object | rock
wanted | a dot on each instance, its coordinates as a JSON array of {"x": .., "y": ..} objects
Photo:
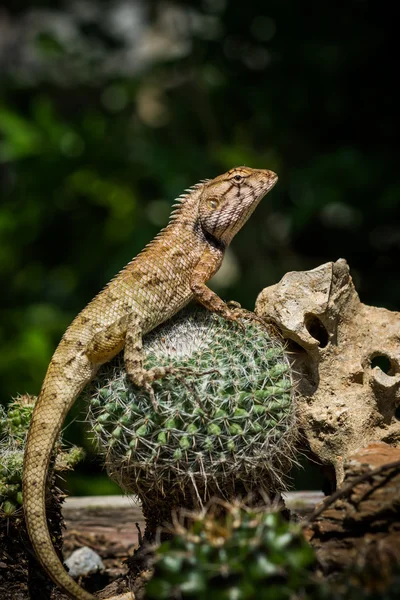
[
  {"x": 84, "y": 561},
  {"x": 347, "y": 359}
]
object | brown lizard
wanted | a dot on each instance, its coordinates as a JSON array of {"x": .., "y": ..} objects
[{"x": 172, "y": 270}]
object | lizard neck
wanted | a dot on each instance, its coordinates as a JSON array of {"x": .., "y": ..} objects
[
  {"x": 208, "y": 238},
  {"x": 186, "y": 217}
]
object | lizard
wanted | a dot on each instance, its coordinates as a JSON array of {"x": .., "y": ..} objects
[{"x": 166, "y": 275}]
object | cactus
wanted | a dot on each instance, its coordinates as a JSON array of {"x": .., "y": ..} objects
[
  {"x": 19, "y": 573},
  {"x": 232, "y": 552},
  {"x": 14, "y": 425},
  {"x": 229, "y": 417},
  {"x": 243, "y": 555}
]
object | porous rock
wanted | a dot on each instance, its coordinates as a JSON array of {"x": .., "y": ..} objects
[{"x": 347, "y": 359}]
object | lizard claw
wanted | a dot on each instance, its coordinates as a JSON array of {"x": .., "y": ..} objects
[
  {"x": 234, "y": 316},
  {"x": 247, "y": 315},
  {"x": 149, "y": 389},
  {"x": 233, "y": 304},
  {"x": 239, "y": 322},
  {"x": 251, "y": 316}
]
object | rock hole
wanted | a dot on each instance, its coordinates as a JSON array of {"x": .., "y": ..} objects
[
  {"x": 310, "y": 475},
  {"x": 397, "y": 413},
  {"x": 383, "y": 363},
  {"x": 317, "y": 330},
  {"x": 294, "y": 348},
  {"x": 304, "y": 371}
]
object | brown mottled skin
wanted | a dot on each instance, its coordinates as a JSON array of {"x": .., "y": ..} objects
[{"x": 172, "y": 270}]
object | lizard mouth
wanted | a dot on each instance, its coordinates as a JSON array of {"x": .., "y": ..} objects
[{"x": 272, "y": 178}]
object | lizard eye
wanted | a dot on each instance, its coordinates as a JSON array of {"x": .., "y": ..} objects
[
  {"x": 213, "y": 203},
  {"x": 238, "y": 178}
]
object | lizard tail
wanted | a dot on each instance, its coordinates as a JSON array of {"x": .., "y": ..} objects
[{"x": 61, "y": 387}]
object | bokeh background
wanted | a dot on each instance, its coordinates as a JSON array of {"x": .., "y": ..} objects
[{"x": 108, "y": 110}]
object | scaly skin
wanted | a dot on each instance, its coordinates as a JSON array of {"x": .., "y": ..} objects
[{"x": 162, "y": 279}]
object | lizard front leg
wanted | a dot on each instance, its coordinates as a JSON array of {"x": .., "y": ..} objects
[
  {"x": 211, "y": 300},
  {"x": 205, "y": 269}
]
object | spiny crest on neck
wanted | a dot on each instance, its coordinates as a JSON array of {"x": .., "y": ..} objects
[{"x": 182, "y": 201}]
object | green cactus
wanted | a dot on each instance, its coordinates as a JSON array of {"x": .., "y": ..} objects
[
  {"x": 15, "y": 421},
  {"x": 229, "y": 417},
  {"x": 14, "y": 425},
  {"x": 242, "y": 555}
]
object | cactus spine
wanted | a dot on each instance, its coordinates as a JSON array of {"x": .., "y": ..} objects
[{"x": 230, "y": 417}]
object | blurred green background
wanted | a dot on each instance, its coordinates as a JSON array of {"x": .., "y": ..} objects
[{"x": 108, "y": 110}]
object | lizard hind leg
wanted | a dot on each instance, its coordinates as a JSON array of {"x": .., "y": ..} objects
[
  {"x": 141, "y": 377},
  {"x": 133, "y": 359}
]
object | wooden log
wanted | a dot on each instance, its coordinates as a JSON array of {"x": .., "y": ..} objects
[
  {"x": 111, "y": 517},
  {"x": 358, "y": 527},
  {"x": 115, "y": 517}
]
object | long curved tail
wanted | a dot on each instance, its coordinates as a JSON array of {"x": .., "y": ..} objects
[{"x": 63, "y": 383}]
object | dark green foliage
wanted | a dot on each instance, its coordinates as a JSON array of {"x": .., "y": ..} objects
[{"x": 230, "y": 416}]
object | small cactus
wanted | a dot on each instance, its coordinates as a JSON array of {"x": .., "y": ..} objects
[
  {"x": 20, "y": 575},
  {"x": 226, "y": 415},
  {"x": 14, "y": 425},
  {"x": 242, "y": 555}
]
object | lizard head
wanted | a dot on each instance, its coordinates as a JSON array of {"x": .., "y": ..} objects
[{"x": 228, "y": 201}]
